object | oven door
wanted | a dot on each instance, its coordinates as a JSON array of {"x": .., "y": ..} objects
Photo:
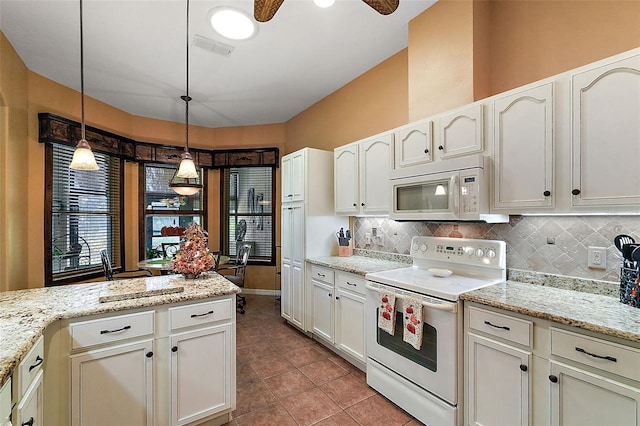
[
  {"x": 434, "y": 196},
  {"x": 434, "y": 366}
]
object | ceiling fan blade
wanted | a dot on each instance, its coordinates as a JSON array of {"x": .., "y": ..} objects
[
  {"x": 384, "y": 7},
  {"x": 263, "y": 10}
]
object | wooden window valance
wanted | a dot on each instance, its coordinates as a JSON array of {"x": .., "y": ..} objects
[{"x": 55, "y": 129}]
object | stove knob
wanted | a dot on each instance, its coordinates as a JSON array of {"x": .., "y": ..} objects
[
  {"x": 415, "y": 247},
  {"x": 469, "y": 251},
  {"x": 423, "y": 248},
  {"x": 491, "y": 253},
  {"x": 479, "y": 252}
]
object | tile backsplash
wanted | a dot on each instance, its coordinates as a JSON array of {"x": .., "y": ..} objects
[{"x": 548, "y": 244}]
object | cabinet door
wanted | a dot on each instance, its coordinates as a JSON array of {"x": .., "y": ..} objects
[
  {"x": 292, "y": 173},
  {"x": 201, "y": 367},
  {"x": 345, "y": 169},
  {"x": 285, "y": 290},
  {"x": 461, "y": 132},
  {"x": 582, "y": 398},
  {"x": 323, "y": 316},
  {"x": 606, "y": 131},
  {"x": 30, "y": 408},
  {"x": 413, "y": 146},
  {"x": 125, "y": 373},
  {"x": 5, "y": 403},
  {"x": 375, "y": 164},
  {"x": 350, "y": 324},
  {"x": 523, "y": 148},
  {"x": 297, "y": 295},
  {"x": 498, "y": 383}
]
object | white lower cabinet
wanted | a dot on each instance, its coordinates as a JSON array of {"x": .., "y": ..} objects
[
  {"x": 113, "y": 385},
  {"x": 338, "y": 311},
  {"x": 555, "y": 375},
  {"x": 5, "y": 403},
  {"x": 29, "y": 411},
  {"x": 28, "y": 388},
  {"x": 172, "y": 365}
]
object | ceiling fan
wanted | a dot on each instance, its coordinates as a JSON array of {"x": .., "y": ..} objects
[{"x": 263, "y": 10}]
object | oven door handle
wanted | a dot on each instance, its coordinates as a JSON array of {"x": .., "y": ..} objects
[{"x": 444, "y": 306}]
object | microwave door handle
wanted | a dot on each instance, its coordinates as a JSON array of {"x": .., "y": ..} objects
[{"x": 455, "y": 194}]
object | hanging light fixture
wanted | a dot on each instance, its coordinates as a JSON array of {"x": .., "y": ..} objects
[
  {"x": 185, "y": 180},
  {"x": 83, "y": 158}
]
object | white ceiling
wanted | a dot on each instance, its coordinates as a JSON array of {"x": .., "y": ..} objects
[{"x": 135, "y": 54}]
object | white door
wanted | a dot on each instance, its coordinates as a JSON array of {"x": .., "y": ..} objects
[
  {"x": 375, "y": 163},
  {"x": 292, "y": 273},
  {"x": 523, "y": 145},
  {"x": 323, "y": 312},
  {"x": 201, "y": 368},
  {"x": 285, "y": 173},
  {"x": 285, "y": 290},
  {"x": 30, "y": 407},
  {"x": 606, "y": 135},
  {"x": 498, "y": 383},
  {"x": 584, "y": 399},
  {"x": 345, "y": 180},
  {"x": 123, "y": 372},
  {"x": 461, "y": 132},
  {"x": 350, "y": 326},
  {"x": 297, "y": 175},
  {"x": 413, "y": 147}
]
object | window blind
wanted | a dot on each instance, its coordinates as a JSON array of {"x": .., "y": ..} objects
[
  {"x": 248, "y": 212},
  {"x": 85, "y": 214}
]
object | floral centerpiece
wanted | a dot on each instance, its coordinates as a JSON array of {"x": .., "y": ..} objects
[{"x": 193, "y": 257}]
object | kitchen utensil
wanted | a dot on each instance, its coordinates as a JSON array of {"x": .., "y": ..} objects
[
  {"x": 627, "y": 250},
  {"x": 347, "y": 234},
  {"x": 622, "y": 239}
]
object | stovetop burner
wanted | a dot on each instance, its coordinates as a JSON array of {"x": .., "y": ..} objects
[{"x": 473, "y": 264}]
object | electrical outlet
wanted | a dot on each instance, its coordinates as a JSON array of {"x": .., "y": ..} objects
[
  {"x": 597, "y": 257},
  {"x": 367, "y": 237},
  {"x": 380, "y": 239}
]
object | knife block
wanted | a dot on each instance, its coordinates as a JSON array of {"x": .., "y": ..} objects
[{"x": 346, "y": 250}]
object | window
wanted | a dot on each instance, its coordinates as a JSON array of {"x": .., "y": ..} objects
[
  {"x": 166, "y": 213},
  {"x": 83, "y": 216},
  {"x": 248, "y": 213}
]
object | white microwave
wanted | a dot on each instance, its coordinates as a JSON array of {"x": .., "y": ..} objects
[{"x": 450, "y": 190}]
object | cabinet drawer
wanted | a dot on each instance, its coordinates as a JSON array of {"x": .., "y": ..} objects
[
  {"x": 5, "y": 403},
  {"x": 509, "y": 328},
  {"x": 351, "y": 282},
  {"x": 322, "y": 274},
  {"x": 112, "y": 329},
  {"x": 30, "y": 366},
  {"x": 607, "y": 356},
  {"x": 199, "y": 314}
]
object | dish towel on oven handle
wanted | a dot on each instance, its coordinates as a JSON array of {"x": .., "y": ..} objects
[
  {"x": 412, "y": 314},
  {"x": 387, "y": 311}
]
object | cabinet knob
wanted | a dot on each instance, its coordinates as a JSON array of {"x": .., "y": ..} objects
[
  {"x": 546, "y": 193},
  {"x": 174, "y": 349},
  {"x": 337, "y": 298},
  {"x": 355, "y": 205},
  {"x": 441, "y": 148},
  {"x": 329, "y": 294},
  {"x": 28, "y": 422},
  {"x": 426, "y": 151},
  {"x": 523, "y": 367},
  {"x": 149, "y": 354},
  {"x": 362, "y": 204},
  {"x": 553, "y": 379},
  {"x": 575, "y": 191}
]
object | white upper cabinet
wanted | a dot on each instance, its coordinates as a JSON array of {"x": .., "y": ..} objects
[
  {"x": 293, "y": 176},
  {"x": 606, "y": 135},
  {"x": 461, "y": 132},
  {"x": 523, "y": 150},
  {"x": 413, "y": 147},
  {"x": 361, "y": 176}
]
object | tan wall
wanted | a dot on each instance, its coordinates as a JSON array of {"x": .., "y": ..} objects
[{"x": 373, "y": 103}]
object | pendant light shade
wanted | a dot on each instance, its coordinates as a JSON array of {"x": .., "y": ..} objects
[
  {"x": 185, "y": 180},
  {"x": 83, "y": 158}
]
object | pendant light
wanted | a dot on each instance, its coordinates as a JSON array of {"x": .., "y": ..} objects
[
  {"x": 83, "y": 158},
  {"x": 187, "y": 175}
]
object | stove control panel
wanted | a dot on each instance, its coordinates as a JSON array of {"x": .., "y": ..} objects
[{"x": 468, "y": 251}]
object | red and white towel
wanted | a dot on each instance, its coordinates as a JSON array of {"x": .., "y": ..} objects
[
  {"x": 412, "y": 314},
  {"x": 387, "y": 311}
]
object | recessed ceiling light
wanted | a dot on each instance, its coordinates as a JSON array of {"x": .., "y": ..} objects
[
  {"x": 324, "y": 3},
  {"x": 233, "y": 23}
]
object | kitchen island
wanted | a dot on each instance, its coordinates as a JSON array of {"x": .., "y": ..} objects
[{"x": 161, "y": 313}]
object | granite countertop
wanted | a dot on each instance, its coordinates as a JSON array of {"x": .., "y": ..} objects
[
  {"x": 359, "y": 265},
  {"x": 24, "y": 314},
  {"x": 593, "y": 312}
]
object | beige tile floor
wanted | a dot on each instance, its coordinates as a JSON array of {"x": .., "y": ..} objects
[{"x": 285, "y": 378}]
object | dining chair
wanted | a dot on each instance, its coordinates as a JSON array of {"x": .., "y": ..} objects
[
  {"x": 239, "y": 267},
  {"x": 169, "y": 250},
  {"x": 108, "y": 270}
]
